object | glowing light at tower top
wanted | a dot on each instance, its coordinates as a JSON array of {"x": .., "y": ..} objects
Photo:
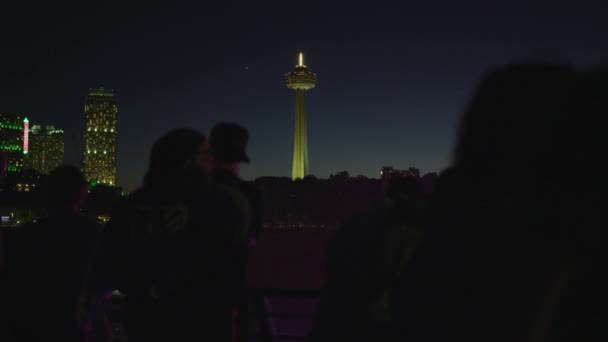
[{"x": 301, "y": 78}]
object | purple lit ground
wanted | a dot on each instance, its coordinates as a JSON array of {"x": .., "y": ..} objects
[
  {"x": 292, "y": 258},
  {"x": 289, "y": 258}
]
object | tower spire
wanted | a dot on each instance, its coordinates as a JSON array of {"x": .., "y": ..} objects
[{"x": 301, "y": 80}]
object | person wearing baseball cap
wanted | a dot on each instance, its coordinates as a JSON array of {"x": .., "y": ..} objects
[{"x": 228, "y": 143}]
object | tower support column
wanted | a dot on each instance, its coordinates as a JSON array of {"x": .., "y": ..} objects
[{"x": 300, "y": 145}]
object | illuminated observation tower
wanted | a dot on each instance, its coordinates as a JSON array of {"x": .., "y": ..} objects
[{"x": 300, "y": 80}]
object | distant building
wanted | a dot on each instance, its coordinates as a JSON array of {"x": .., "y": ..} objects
[
  {"x": 46, "y": 149},
  {"x": 388, "y": 172},
  {"x": 100, "y": 131},
  {"x": 14, "y": 144}
]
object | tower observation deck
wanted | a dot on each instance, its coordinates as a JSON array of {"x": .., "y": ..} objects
[{"x": 300, "y": 80}]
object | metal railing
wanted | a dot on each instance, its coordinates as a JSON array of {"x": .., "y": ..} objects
[{"x": 254, "y": 312}]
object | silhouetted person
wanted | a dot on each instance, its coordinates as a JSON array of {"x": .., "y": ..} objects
[
  {"x": 228, "y": 142},
  {"x": 476, "y": 275},
  {"x": 170, "y": 247},
  {"x": 48, "y": 262},
  {"x": 574, "y": 301},
  {"x": 365, "y": 259}
]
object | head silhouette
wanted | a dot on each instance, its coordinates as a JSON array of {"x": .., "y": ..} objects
[
  {"x": 579, "y": 144},
  {"x": 180, "y": 162},
  {"x": 67, "y": 187},
  {"x": 510, "y": 119},
  {"x": 228, "y": 141},
  {"x": 580, "y": 136}
]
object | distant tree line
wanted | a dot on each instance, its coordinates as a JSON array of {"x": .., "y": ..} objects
[{"x": 314, "y": 201}]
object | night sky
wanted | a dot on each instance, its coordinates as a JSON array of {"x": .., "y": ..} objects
[{"x": 393, "y": 78}]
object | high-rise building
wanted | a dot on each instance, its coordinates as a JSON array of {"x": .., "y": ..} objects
[
  {"x": 100, "y": 136},
  {"x": 46, "y": 149},
  {"x": 300, "y": 80},
  {"x": 14, "y": 144}
]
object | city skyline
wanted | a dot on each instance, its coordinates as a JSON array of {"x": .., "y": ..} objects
[{"x": 396, "y": 77}]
